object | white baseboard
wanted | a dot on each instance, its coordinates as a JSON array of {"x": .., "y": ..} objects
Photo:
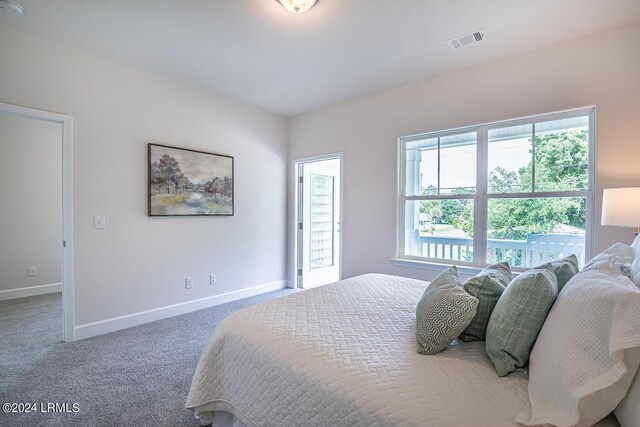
[
  {"x": 30, "y": 291},
  {"x": 122, "y": 322}
]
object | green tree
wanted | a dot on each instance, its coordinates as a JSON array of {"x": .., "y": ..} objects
[
  {"x": 561, "y": 161},
  {"x": 436, "y": 214},
  {"x": 504, "y": 181},
  {"x": 561, "y": 164},
  {"x": 516, "y": 218},
  {"x": 466, "y": 221},
  {"x": 167, "y": 171},
  {"x": 227, "y": 185},
  {"x": 186, "y": 184},
  {"x": 212, "y": 186}
]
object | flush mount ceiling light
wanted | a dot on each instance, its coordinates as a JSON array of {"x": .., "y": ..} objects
[
  {"x": 297, "y": 6},
  {"x": 11, "y": 7}
]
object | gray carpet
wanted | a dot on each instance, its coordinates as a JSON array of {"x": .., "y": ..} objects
[
  {"x": 29, "y": 328},
  {"x": 135, "y": 377}
]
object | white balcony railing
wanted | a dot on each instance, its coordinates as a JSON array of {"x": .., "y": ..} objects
[{"x": 536, "y": 250}]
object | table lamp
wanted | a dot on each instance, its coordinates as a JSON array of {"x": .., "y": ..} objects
[{"x": 621, "y": 207}]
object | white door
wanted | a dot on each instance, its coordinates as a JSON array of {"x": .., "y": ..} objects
[
  {"x": 45, "y": 138},
  {"x": 319, "y": 232}
]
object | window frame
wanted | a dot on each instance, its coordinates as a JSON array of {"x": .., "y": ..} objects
[{"x": 482, "y": 196}]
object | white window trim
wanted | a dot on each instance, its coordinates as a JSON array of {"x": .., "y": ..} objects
[{"x": 481, "y": 196}]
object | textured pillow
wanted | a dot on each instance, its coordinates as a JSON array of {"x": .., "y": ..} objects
[
  {"x": 628, "y": 411},
  {"x": 620, "y": 250},
  {"x": 586, "y": 354},
  {"x": 444, "y": 310},
  {"x": 565, "y": 269},
  {"x": 623, "y": 253},
  {"x": 634, "y": 270},
  {"x": 487, "y": 286},
  {"x": 518, "y": 317}
]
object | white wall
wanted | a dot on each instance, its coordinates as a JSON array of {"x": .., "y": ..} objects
[
  {"x": 601, "y": 69},
  {"x": 139, "y": 263},
  {"x": 31, "y": 195}
]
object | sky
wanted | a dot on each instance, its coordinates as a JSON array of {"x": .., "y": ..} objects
[
  {"x": 458, "y": 164},
  {"x": 198, "y": 167}
]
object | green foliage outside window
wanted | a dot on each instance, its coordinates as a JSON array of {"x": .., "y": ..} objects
[{"x": 561, "y": 164}]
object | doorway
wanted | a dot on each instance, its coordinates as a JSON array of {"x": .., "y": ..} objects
[
  {"x": 52, "y": 133},
  {"x": 317, "y": 220}
]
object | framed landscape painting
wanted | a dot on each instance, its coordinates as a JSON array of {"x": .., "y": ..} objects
[{"x": 189, "y": 183}]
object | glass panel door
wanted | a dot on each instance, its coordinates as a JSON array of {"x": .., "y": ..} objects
[
  {"x": 322, "y": 221},
  {"x": 319, "y": 228}
]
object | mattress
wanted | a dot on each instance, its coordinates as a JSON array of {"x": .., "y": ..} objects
[{"x": 345, "y": 354}]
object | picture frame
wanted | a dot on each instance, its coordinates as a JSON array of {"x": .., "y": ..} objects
[{"x": 185, "y": 182}]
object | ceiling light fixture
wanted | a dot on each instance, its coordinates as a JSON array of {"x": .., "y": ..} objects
[
  {"x": 297, "y": 6},
  {"x": 11, "y": 7}
]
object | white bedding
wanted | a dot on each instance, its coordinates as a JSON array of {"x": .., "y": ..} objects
[{"x": 345, "y": 354}]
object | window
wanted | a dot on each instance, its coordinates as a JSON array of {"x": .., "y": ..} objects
[{"x": 519, "y": 191}]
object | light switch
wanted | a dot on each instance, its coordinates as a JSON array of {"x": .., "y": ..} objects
[{"x": 99, "y": 222}]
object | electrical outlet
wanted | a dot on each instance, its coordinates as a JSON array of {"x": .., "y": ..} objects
[
  {"x": 99, "y": 222},
  {"x": 213, "y": 279},
  {"x": 188, "y": 283},
  {"x": 32, "y": 271}
]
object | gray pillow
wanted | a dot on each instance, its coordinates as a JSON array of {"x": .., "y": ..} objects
[
  {"x": 444, "y": 310},
  {"x": 487, "y": 286},
  {"x": 565, "y": 269},
  {"x": 518, "y": 317}
]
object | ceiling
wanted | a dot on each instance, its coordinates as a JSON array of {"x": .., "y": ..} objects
[{"x": 256, "y": 52}]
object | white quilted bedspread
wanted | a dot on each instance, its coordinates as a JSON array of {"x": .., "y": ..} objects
[{"x": 345, "y": 355}]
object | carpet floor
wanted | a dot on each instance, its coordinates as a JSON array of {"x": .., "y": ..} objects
[
  {"x": 29, "y": 328},
  {"x": 135, "y": 377}
]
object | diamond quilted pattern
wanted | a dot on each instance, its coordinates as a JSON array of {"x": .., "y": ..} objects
[{"x": 345, "y": 354}]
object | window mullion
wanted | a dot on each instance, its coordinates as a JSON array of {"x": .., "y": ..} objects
[
  {"x": 533, "y": 157},
  {"x": 443, "y": 197},
  {"x": 591, "y": 200},
  {"x": 480, "y": 208},
  {"x": 540, "y": 195},
  {"x": 402, "y": 193},
  {"x": 438, "y": 189}
]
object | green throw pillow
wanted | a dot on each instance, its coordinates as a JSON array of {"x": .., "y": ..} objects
[
  {"x": 518, "y": 317},
  {"x": 565, "y": 269},
  {"x": 487, "y": 286},
  {"x": 444, "y": 310}
]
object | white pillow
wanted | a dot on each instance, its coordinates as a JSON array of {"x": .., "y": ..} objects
[
  {"x": 634, "y": 270},
  {"x": 623, "y": 253},
  {"x": 636, "y": 242},
  {"x": 598, "y": 405},
  {"x": 620, "y": 250},
  {"x": 582, "y": 363},
  {"x": 628, "y": 411}
]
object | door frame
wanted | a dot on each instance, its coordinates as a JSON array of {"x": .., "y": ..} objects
[
  {"x": 294, "y": 200},
  {"x": 68, "y": 309}
]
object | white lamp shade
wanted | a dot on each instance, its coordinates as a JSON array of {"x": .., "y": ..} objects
[{"x": 621, "y": 207}]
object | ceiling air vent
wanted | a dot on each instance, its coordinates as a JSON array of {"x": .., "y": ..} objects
[{"x": 466, "y": 39}]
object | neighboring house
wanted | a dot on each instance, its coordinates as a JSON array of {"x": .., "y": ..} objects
[{"x": 424, "y": 221}]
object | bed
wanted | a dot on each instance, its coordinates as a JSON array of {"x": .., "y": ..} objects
[{"x": 345, "y": 354}]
